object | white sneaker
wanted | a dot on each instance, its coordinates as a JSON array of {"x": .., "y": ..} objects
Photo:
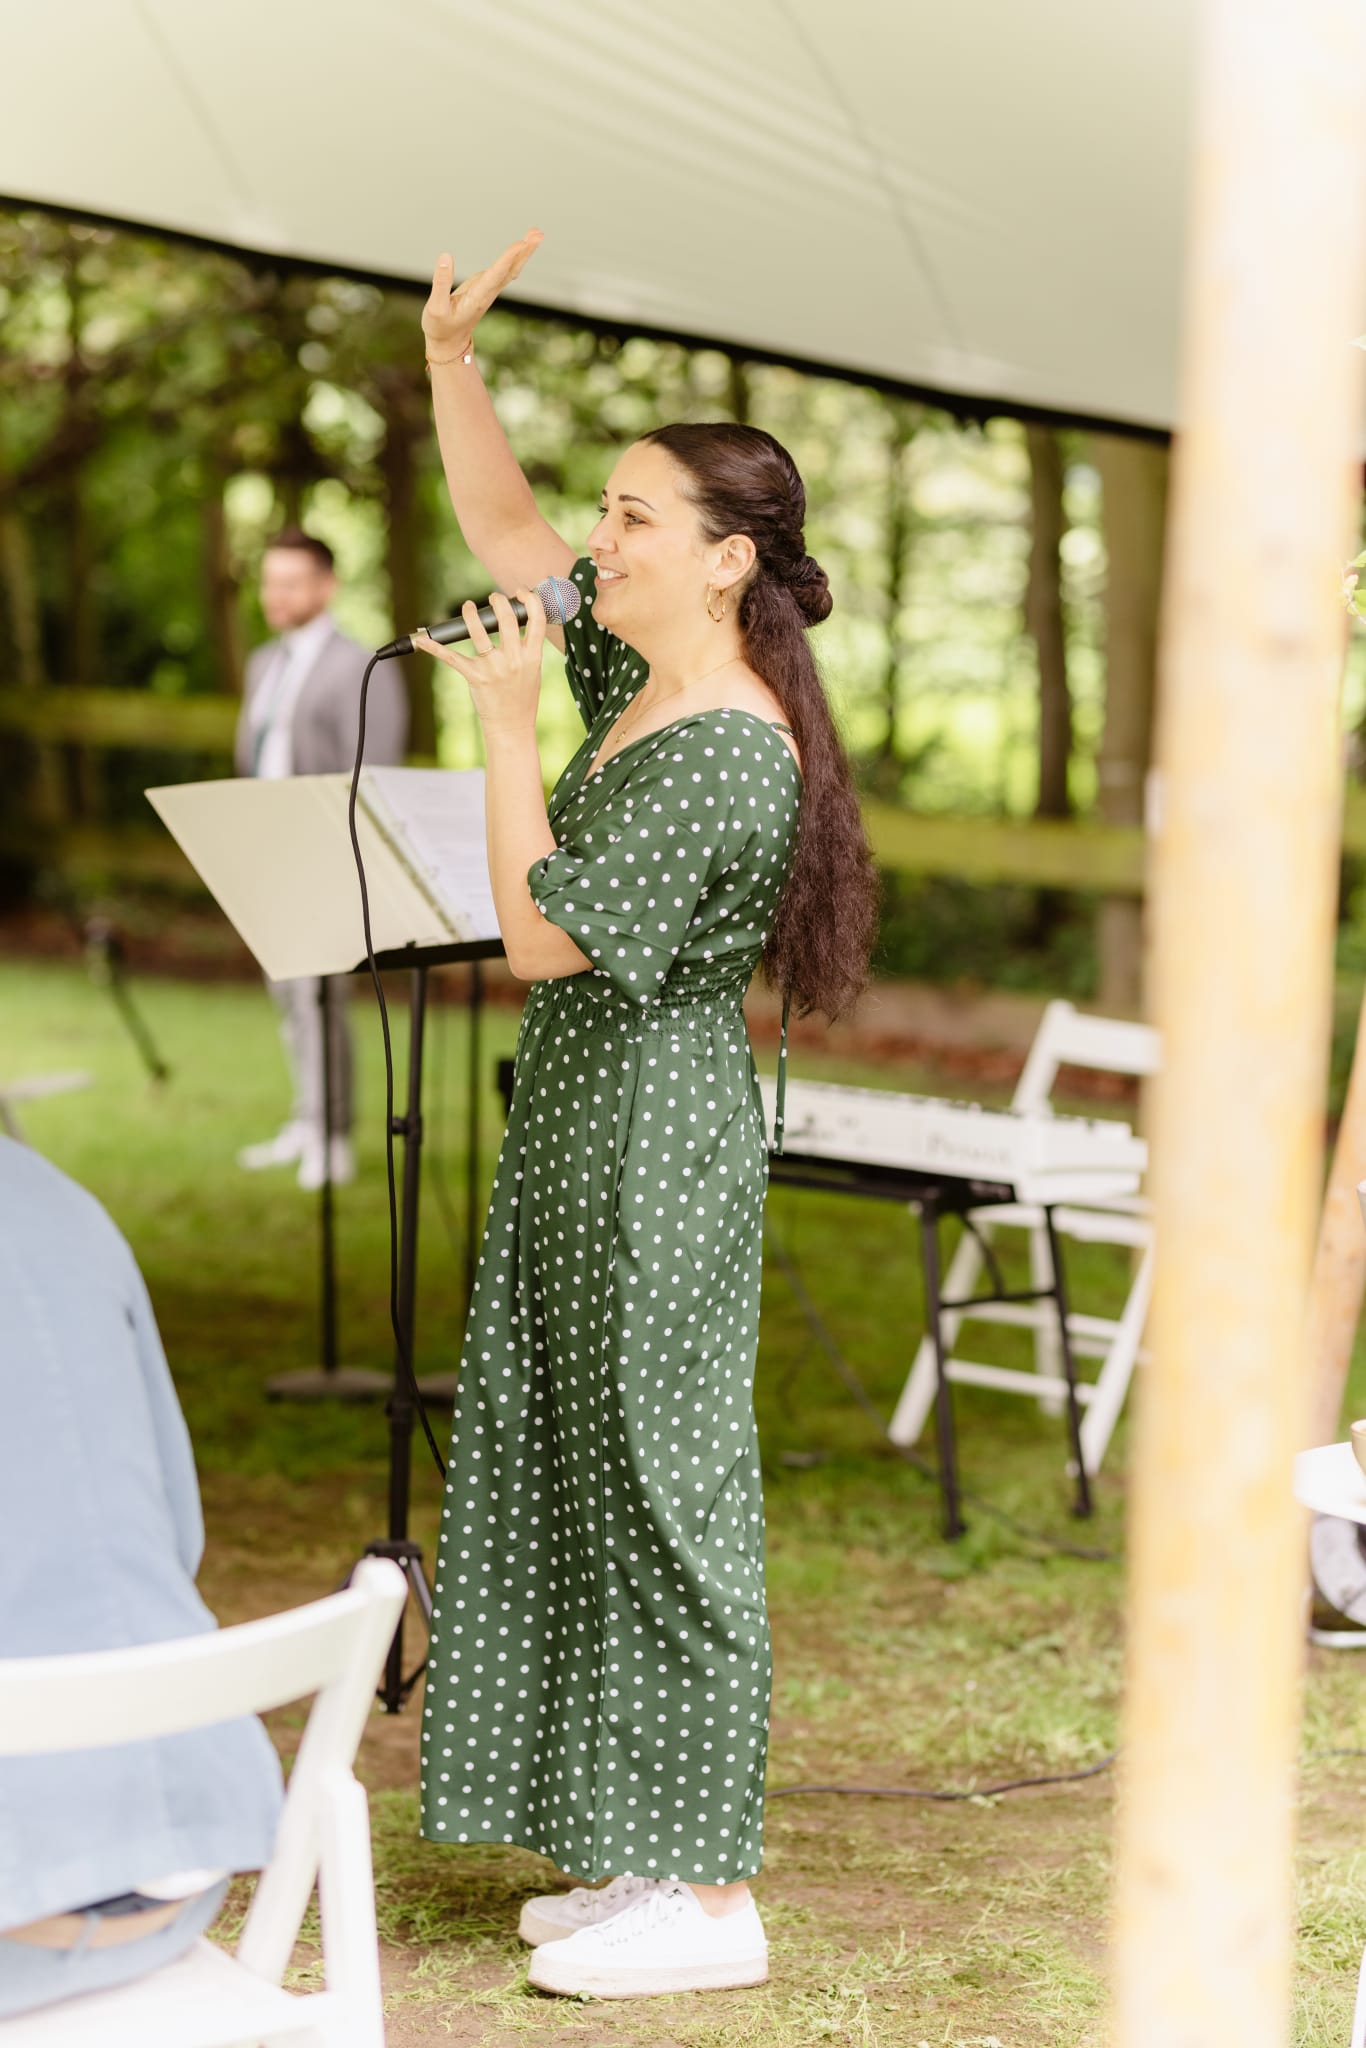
[
  {"x": 311, "y": 1162},
  {"x": 282, "y": 1150},
  {"x": 563, "y": 1913},
  {"x": 664, "y": 1942}
]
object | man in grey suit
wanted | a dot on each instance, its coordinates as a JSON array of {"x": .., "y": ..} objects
[{"x": 299, "y": 716}]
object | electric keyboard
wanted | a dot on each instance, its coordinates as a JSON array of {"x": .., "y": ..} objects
[{"x": 1039, "y": 1160}]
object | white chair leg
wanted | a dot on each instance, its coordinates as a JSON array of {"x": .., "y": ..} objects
[
  {"x": 1359, "y": 2016},
  {"x": 346, "y": 1902},
  {"x": 1047, "y": 1342},
  {"x": 1112, "y": 1382},
  {"x": 917, "y": 1396}
]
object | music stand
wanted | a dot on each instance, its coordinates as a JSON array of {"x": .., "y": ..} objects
[{"x": 295, "y": 903}]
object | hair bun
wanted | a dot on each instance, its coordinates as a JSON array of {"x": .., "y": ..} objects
[{"x": 810, "y": 586}]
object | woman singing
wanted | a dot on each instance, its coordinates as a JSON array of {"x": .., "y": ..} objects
[{"x": 599, "y": 1681}]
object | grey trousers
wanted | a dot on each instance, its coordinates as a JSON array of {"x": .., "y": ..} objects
[{"x": 301, "y": 1031}]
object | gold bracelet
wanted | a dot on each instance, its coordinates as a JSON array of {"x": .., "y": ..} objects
[{"x": 439, "y": 362}]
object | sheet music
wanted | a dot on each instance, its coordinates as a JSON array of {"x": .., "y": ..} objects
[
  {"x": 277, "y": 857},
  {"x": 434, "y": 820}
]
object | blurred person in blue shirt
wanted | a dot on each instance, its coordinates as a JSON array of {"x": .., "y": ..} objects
[{"x": 112, "y": 1861}]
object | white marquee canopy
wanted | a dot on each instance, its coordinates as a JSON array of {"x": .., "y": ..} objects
[{"x": 979, "y": 198}]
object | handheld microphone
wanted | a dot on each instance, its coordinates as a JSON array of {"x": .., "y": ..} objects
[{"x": 560, "y": 599}]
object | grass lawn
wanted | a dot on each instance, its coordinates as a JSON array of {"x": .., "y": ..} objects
[{"x": 900, "y": 1660}]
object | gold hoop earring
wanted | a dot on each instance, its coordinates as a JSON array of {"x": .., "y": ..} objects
[{"x": 715, "y": 617}]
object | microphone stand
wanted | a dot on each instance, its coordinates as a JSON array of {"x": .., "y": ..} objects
[{"x": 402, "y": 1409}]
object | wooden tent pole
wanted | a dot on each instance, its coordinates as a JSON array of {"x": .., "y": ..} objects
[
  {"x": 1339, "y": 1276},
  {"x": 1245, "y": 851}
]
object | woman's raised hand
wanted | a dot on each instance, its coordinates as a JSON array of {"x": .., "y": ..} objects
[
  {"x": 453, "y": 311},
  {"x": 505, "y": 681}
]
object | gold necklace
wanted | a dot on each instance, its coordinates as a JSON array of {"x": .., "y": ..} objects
[{"x": 622, "y": 726}]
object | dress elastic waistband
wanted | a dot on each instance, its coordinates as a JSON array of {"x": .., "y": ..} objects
[
  {"x": 602, "y": 1005},
  {"x": 679, "y": 1010},
  {"x": 716, "y": 987}
]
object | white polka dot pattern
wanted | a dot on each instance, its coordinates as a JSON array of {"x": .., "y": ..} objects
[{"x": 599, "y": 1679}]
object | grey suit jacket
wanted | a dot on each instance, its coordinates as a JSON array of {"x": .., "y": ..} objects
[{"x": 328, "y": 708}]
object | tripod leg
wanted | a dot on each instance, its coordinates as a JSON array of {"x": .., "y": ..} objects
[
  {"x": 104, "y": 941},
  {"x": 407, "y": 1555},
  {"x": 943, "y": 1395},
  {"x": 391, "y": 1692},
  {"x": 1083, "y": 1500},
  {"x": 421, "y": 1591}
]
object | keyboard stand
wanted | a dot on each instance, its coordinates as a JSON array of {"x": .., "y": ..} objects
[{"x": 933, "y": 1198}]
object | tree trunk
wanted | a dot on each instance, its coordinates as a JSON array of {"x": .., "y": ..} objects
[
  {"x": 289, "y": 497},
  {"x": 739, "y": 391},
  {"x": 221, "y": 588},
  {"x": 902, "y": 422},
  {"x": 398, "y": 468},
  {"x": 84, "y": 766},
  {"x": 34, "y": 779},
  {"x": 19, "y": 579},
  {"x": 1046, "y": 625},
  {"x": 1134, "y": 483},
  {"x": 1044, "y": 621}
]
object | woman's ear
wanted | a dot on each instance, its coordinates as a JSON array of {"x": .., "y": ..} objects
[{"x": 734, "y": 560}]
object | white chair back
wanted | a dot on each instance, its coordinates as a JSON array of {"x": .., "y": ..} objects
[
  {"x": 334, "y": 1649},
  {"x": 167, "y": 1688},
  {"x": 1066, "y": 1037}
]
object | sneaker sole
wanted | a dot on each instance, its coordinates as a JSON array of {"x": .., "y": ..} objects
[
  {"x": 535, "y": 1929},
  {"x": 739, "y": 1975}
]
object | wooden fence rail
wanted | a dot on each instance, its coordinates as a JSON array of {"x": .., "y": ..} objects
[
  {"x": 104, "y": 719},
  {"x": 1108, "y": 860}
]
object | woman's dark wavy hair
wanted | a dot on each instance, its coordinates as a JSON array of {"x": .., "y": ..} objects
[{"x": 741, "y": 480}]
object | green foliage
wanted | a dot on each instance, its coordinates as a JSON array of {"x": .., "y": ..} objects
[
  {"x": 151, "y": 395},
  {"x": 938, "y": 929}
]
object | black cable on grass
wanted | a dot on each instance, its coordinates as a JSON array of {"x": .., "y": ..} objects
[
  {"x": 986, "y": 1791},
  {"x": 1087, "y": 1553},
  {"x": 947, "y": 1798}
]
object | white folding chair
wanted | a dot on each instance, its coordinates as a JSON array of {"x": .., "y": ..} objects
[
  {"x": 1065, "y": 1037},
  {"x": 208, "y": 1999}
]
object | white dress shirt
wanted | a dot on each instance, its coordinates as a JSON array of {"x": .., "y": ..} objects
[{"x": 272, "y": 711}]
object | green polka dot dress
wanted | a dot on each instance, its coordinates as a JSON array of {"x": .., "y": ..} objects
[{"x": 598, "y": 1688}]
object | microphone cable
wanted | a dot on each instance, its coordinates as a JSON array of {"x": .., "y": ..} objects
[
  {"x": 947, "y": 1798},
  {"x": 400, "y": 1347},
  {"x": 560, "y": 601}
]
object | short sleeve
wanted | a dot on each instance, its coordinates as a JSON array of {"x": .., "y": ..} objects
[
  {"x": 626, "y": 887},
  {"x": 595, "y": 660}
]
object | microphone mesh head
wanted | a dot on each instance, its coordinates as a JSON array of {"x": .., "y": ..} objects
[{"x": 560, "y": 598}]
